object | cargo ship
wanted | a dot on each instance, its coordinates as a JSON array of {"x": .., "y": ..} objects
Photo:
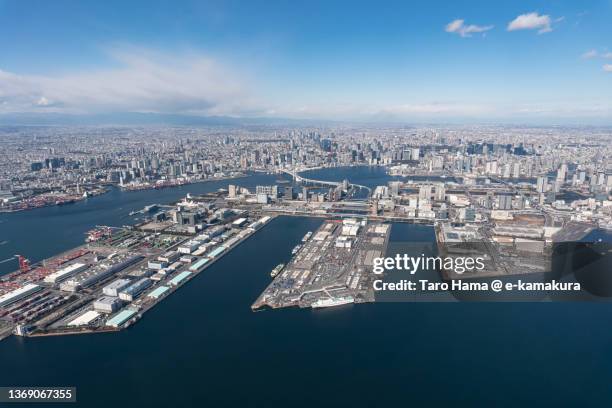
[
  {"x": 330, "y": 302},
  {"x": 277, "y": 270},
  {"x": 307, "y": 236},
  {"x": 65, "y": 201},
  {"x": 296, "y": 249}
]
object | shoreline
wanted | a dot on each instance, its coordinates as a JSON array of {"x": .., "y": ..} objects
[{"x": 76, "y": 200}]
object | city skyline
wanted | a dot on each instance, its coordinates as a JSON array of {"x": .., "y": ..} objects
[{"x": 527, "y": 62}]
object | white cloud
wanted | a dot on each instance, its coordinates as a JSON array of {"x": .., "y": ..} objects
[
  {"x": 596, "y": 54},
  {"x": 142, "y": 81},
  {"x": 42, "y": 101},
  {"x": 454, "y": 26},
  {"x": 532, "y": 21},
  {"x": 458, "y": 27}
]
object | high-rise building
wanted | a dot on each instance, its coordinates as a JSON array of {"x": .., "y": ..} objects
[
  {"x": 470, "y": 214},
  {"x": 288, "y": 193},
  {"x": 440, "y": 192},
  {"x": 232, "y": 191},
  {"x": 395, "y": 185},
  {"x": 505, "y": 202},
  {"x": 507, "y": 171},
  {"x": 542, "y": 184},
  {"x": 374, "y": 207},
  {"x": 601, "y": 179},
  {"x": 269, "y": 190},
  {"x": 562, "y": 172},
  {"x": 425, "y": 192},
  {"x": 491, "y": 167}
]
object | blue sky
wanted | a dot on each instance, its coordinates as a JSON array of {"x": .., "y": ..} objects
[{"x": 469, "y": 61}]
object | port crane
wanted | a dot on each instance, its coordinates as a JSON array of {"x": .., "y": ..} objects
[{"x": 24, "y": 263}]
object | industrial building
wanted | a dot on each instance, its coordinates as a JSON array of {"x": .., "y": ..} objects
[
  {"x": 215, "y": 231},
  {"x": 169, "y": 256},
  {"x": 189, "y": 247},
  {"x": 65, "y": 273},
  {"x": 120, "y": 318},
  {"x": 260, "y": 222},
  {"x": 131, "y": 292},
  {"x": 113, "y": 288},
  {"x": 187, "y": 259},
  {"x": 157, "y": 265},
  {"x": 351, "y": 229},
  {"x": 240, "y": 222},
  {"x": 85, "y": 318},
  {"x": 158, "y": 292},
  {"x": 179, "y": 278},
  {"x": 18, "y": 294},
  {"x": 199, "y": 265},
  {"x": 216, "y": 252},
  {"x": 107, "y": 304},
  {"x": 95, "y": 275}
]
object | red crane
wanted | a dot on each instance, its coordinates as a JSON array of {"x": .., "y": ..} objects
[{"x": 24, "y": 263}]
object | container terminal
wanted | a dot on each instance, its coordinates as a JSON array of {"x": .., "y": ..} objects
[
  {"x": 504, "y": 250},
  {"x": 332, "y": 267},
  {"x": 108, "y": 283}
]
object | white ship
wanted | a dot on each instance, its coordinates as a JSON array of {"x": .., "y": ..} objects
[
  {"x": 307, "y": 236},
  {"x": 330, "y": 302},
  {"x": 277, "y": 270}
]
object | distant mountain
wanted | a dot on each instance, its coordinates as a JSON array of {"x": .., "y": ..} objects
[
  {"x": 167, "y": 119},
  {"x": 139, "y": 119}
]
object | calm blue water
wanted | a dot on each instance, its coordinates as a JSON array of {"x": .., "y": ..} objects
[
  {"x": 369, "y": 176},
  {"x": 204, "y": 347}
]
